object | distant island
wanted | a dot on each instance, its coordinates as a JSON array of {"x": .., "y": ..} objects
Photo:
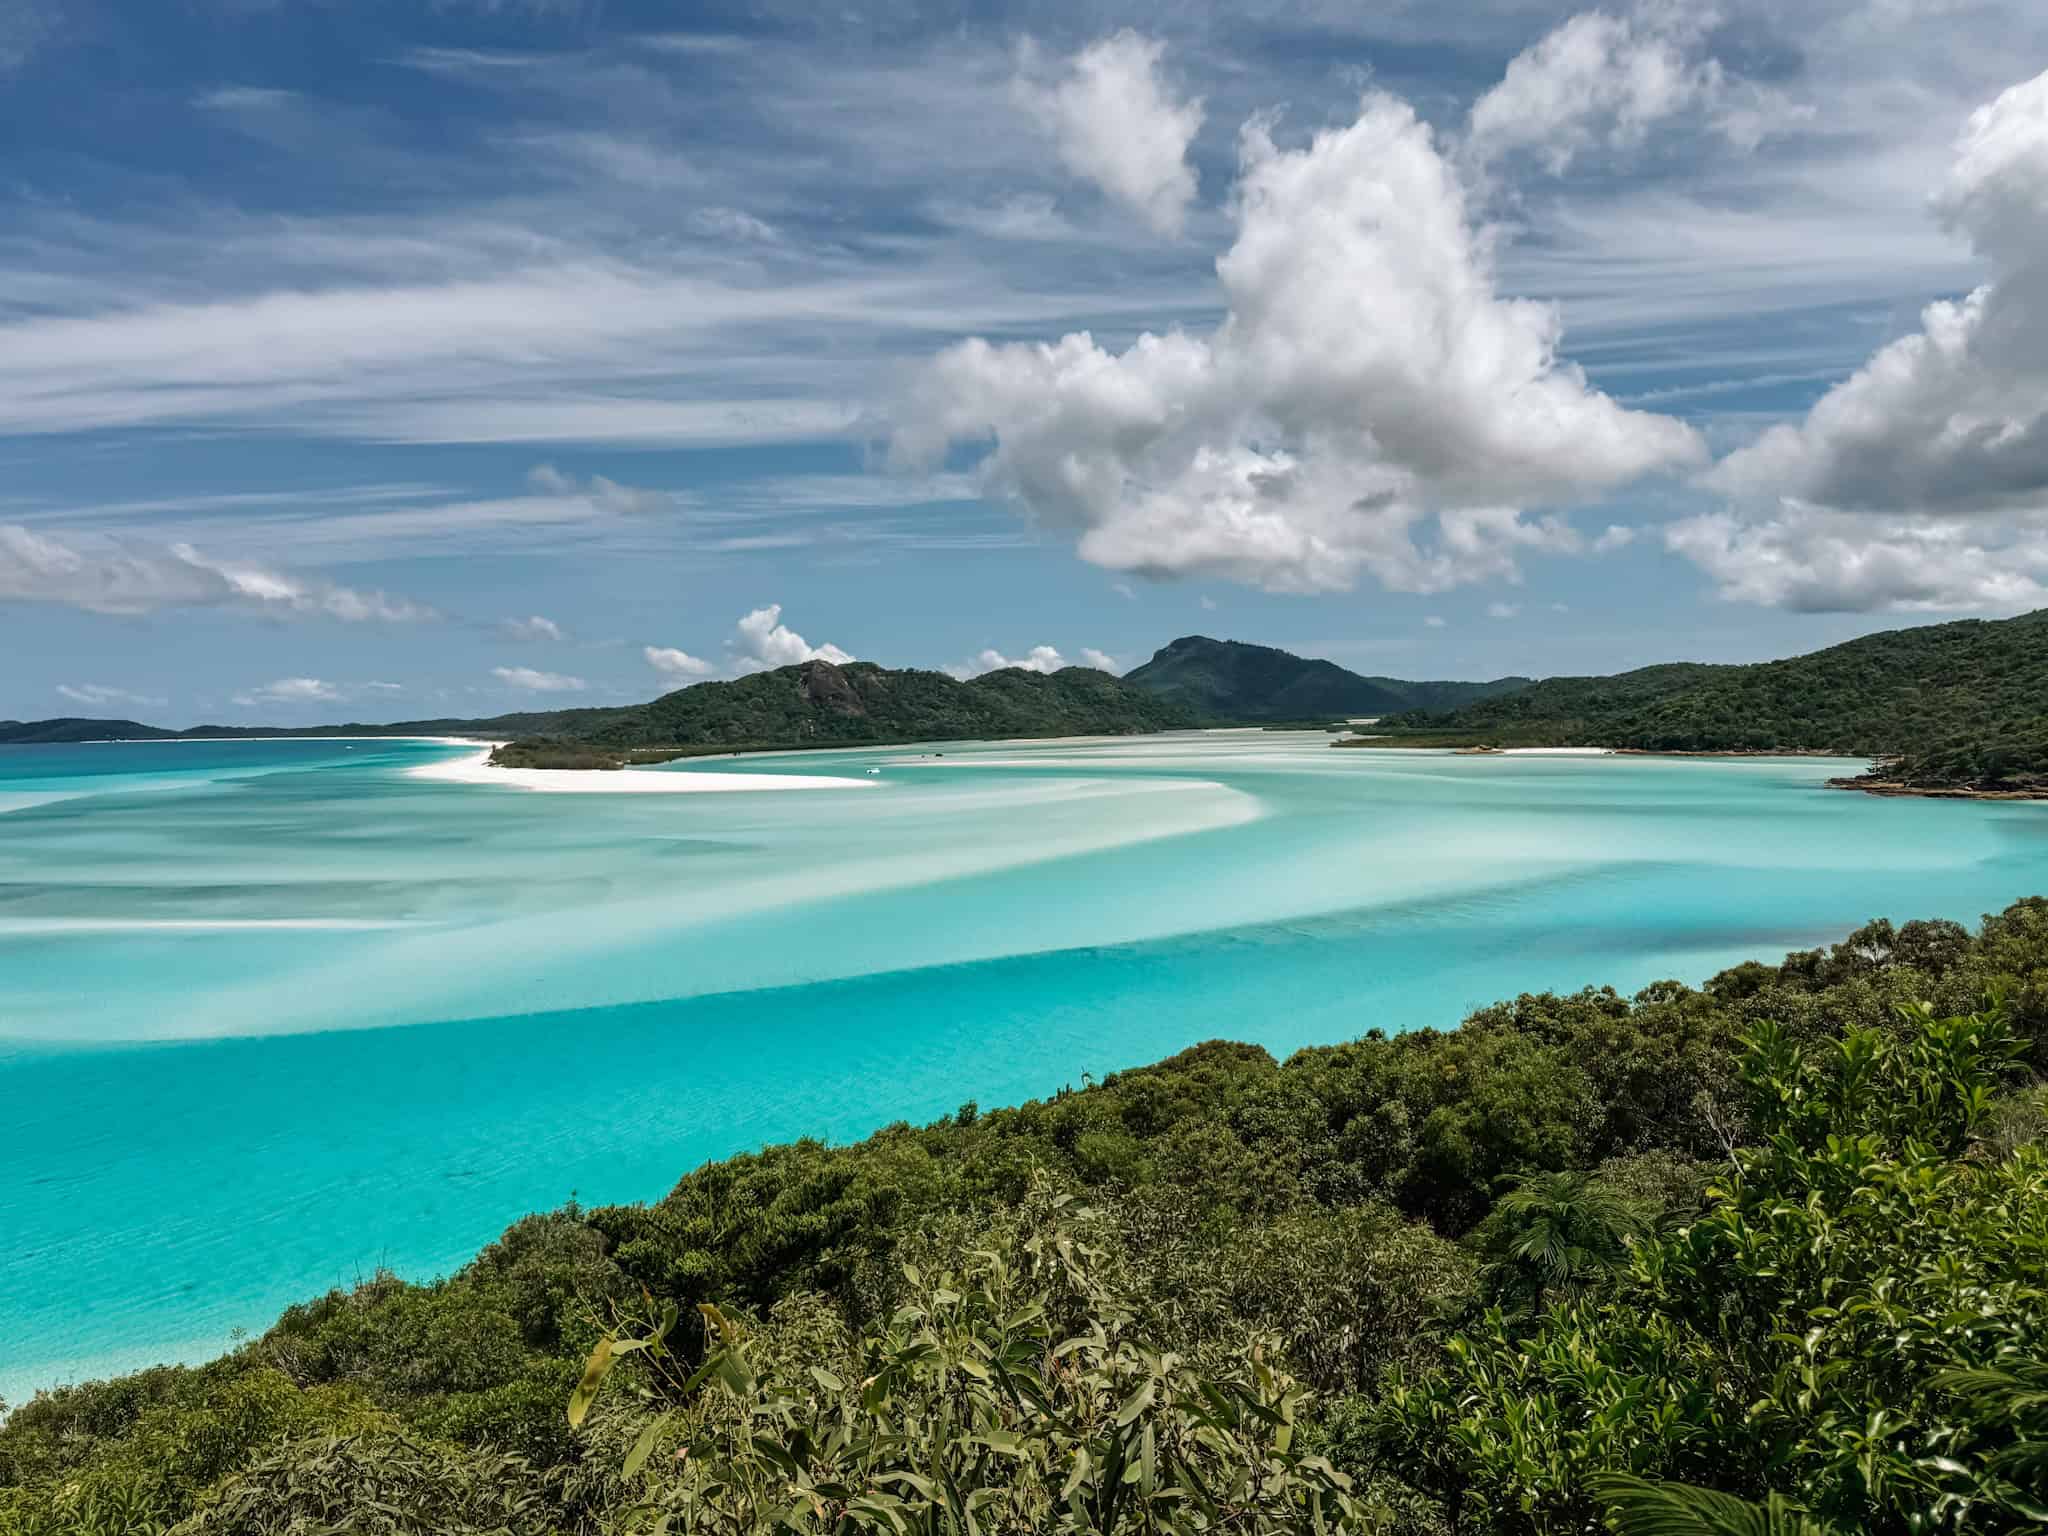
[
  {"x": 851, "y": 704},
  {"x": 1193, "y": 682},
  {"x": 1955, "y": 709}
]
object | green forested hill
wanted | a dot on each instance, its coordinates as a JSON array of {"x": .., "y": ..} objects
[
  {"x": 1227, "y": 680},
  {"x": 67, "y": 728},
  {"x": 1964, "y": 703},
  {"x": 1414, "y": 1285},
  {"x": 819, "y": 704},
  {"x": 1565, "y": 711}
]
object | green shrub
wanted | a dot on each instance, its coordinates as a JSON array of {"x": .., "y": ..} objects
[{"x": 378, "y": 1485}]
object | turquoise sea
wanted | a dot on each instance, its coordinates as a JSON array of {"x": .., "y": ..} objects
[{"x": 276, "y": 1014}]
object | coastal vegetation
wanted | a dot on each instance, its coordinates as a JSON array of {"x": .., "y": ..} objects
[
  {"x": 545, "y": 752},
  {"x": 1769, "y": 1254},
  {"x": 1960, "y": 706}
]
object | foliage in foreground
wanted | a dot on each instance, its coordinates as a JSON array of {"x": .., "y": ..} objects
[
  {"x": 1767, "y": 1239},
  {"x": 1810, "y": 1333},
  {"x": 1015, "y": 1393}
]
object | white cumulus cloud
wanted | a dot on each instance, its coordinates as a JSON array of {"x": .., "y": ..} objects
[
  {"x": 1813, "y": 560},
  {"x": 671, "y": 662},
  {"x": 1920, "y": 483},
  {"x": 1602, "y": 79},
  {"x": 761, "y": 641},
  {"x": 530, "y": 680},
  {"x": 1101, "y": 661},
  {"x": 1366, "y": 382},
  {"x": 1040, "y": 658},
  {"x": 1953, "y": 418},
  {"x": 1117, "y": 122},
  {"x": 533, "y": 628}
]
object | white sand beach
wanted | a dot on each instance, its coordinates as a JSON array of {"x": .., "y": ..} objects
[
  {"x": 477, "y": 769},
  {"x": 215, "y": 741},
  {"x": 1556, "y": 752}
]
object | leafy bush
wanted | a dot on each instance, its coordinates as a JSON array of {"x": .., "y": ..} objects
[
  {"x": 145, "y": 1473},
  {"x": 1805, "y": 1335},
  {"x": 378, "y": 1485},
  {"x": 1014, "y": 1394}
]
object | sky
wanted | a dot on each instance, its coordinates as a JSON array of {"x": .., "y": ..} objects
[{"x": 385, "y": 359}]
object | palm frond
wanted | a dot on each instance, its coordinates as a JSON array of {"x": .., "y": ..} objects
[{"x": 1638, "y": 1508}]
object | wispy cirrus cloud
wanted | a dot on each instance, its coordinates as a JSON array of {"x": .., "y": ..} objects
[
  {"x": 25, "y": 25},
  {"x": 101, "y": 696},
  {"x": 104, "y": 575},
  {"x": 286, "y": 692},
  {"x": 533, "y": 680},
  {"x": 290, "y": 690}
]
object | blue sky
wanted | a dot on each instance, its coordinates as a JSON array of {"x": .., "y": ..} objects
[{"x": 368, "y": 359}]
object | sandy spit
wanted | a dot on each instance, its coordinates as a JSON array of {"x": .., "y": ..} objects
[{"x": 477, "y": 769}]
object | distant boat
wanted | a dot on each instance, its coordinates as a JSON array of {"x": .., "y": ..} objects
[{"x": 873, "y": 771}]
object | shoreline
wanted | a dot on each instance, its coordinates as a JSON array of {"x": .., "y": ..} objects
[
  {"x": 174, "y": 741},
  {"x": 1895, "y": 790},
  {"x": 478, "y": 769}
]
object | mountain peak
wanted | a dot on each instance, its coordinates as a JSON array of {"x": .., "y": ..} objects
[{"x": 1236, "y": 680}]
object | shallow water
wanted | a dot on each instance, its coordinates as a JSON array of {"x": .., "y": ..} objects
[{"x": 274, "y": 1014}]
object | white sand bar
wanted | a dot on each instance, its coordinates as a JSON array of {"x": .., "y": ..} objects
[
  {"x": 622, "y": 781},
  {"x": 1555, "y": 752}
]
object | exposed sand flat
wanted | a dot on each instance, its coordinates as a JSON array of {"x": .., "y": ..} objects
[{"x": 623, "y": 781}]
